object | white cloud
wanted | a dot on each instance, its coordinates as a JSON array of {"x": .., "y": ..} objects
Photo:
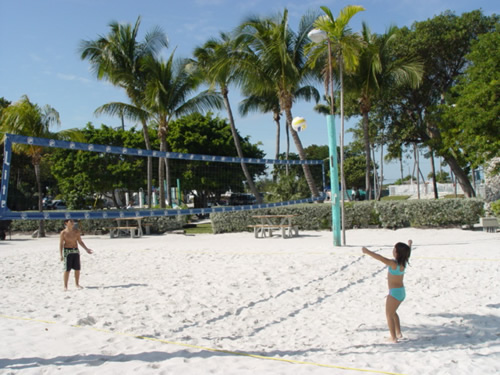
[{"x": 71, "y": 77}]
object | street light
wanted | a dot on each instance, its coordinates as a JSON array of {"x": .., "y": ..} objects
[{"x": 318, "y": 36}]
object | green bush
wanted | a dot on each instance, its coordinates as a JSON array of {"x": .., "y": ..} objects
[
  {"x": 315, "y": 216},
  {"x": 310, "y": 217},
  {"x": 364, "y": 214},
  {"x": 159, "y": 224},
  {"x": 495, "y": 207}
]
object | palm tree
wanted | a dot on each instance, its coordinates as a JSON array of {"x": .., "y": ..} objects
[
  {"x": 264, "y": 104},
  {"x": 118, "y": 57},
  {"x": 345, "y": 46},
  {"x": 280, "y": 53},
  {"x": 264, "y": 100},
  {"x": 166, "y": 96},
  {"x": 27, "y": 118},
  {"x": 216, "y": 59},
  {"x": 378, "y": 69}
]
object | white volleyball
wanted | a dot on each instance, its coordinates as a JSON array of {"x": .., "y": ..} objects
[{"x": 299, "y": 124}]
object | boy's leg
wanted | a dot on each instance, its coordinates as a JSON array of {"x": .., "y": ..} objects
[
  {"x": 66, "y": 278},
  {"x": 77, "y": 278},
  {"x": 391, "y": 306}
]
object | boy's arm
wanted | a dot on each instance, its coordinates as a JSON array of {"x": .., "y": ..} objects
[
  {"x": 80, "y": 241},
  {"x": 378, "y": 257},
  {"x": 61, "y": 244}
]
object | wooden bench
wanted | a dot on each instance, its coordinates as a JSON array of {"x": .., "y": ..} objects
[
  {"x": 115, "y": 232},
  {"x": 489, "y": 224},
  {"x": 147, "y": 227},
  {"x": 263, "y": 228}
]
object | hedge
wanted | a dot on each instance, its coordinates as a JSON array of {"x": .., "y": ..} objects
[
  {"x": 365, "y": 214},
  {"x": 315, "y": 216},
  {"x": 159, "y": 225}
]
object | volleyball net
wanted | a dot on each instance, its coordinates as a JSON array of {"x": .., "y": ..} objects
[{"x": 91, "y": 181}]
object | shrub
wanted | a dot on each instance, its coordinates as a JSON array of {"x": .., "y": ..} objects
[
  {"x": 495, "y": 208},
  {"x": 364, "y": 214},
  {"x": 160, "y": 224}
]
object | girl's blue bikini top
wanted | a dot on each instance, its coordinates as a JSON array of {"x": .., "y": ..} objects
[{"x": 396, "y": 271}]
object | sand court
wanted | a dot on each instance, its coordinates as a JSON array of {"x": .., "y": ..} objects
[{"x": 234, "y": 304}]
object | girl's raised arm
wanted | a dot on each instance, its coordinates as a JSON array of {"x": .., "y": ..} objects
[{"x": 379, "y": 257}]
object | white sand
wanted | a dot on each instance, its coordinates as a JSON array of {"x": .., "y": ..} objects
[{"x": 303, "y": 305}]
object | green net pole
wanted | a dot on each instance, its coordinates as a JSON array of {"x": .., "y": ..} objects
[{"x": 334, "y": 180}]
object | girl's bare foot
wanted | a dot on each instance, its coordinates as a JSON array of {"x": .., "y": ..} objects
[{"x": 392, "y": 340}]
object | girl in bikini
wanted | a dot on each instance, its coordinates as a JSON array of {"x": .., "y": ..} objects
[{"x": 396, "y": 269}]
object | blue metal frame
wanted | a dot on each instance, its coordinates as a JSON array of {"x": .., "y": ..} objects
[{"x": 6, "y": 214}]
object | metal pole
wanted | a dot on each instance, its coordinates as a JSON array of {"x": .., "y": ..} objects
[
  {"x": 334, "y": 180},
  {"x": 332, "y": 145}
]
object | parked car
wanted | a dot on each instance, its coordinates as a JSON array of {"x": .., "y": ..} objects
[{"x": 58, "y": 205}]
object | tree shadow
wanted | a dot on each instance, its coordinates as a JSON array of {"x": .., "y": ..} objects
[
  {"x": 461, "y": 330},
  {"x": 94, "y": 360}
]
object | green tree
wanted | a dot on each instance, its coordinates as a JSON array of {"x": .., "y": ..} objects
[
  {"x": 206, "y": 135},
  {"x": 379, "y": 69},
  {"x": 471, "y": 122},
  {"x": 84, "y": 177},
  {"x": 118, "y": 58},
  {"x": 442, "y": 43},
  {"x": 167, "y": 96},
  {"x": 280, "y": 52},
  {"x": 27, "y": 118}
]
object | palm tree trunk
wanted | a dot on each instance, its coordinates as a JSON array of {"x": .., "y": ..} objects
[
  {"x": 460, "y": 176},
  {"x": 41, "y": 223},
  {"x": 239, "y": 150},
  {"x": 163, "y": 147},
  {"x": 433, "y": 170},
  {"x": 375, "y": 173},
  {"x": 287, "y": 131},
  {"x": 302, "y": 154},
  {"x": 379, "y": 195},
  {"x": 278, "y": 135},
  {"x": 417, "y": 163},
  {"x": 401, "y": 166},
  {"x": 366, "y": 137},
  {"x": 147, "y": 141}
]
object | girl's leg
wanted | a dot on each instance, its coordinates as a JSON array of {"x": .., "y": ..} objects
[
  {"x": 391, "y": 306},
  {"x": 397, "y": 326}
]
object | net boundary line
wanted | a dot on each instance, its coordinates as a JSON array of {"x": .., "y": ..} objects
[{"x": 81, "y": 146}]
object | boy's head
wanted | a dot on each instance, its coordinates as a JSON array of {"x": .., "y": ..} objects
[
  {"x": 402, "y": 253},
  {"x": 69, "y": 222}
]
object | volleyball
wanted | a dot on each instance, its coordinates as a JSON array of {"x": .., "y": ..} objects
[{"x": 299, "y": 124}]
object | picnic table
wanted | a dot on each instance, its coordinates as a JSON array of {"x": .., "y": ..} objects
[
  {"x": 267, "y": 223},
  {"x": 127, "y": 226}
]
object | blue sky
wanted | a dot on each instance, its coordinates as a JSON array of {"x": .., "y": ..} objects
[{"x": 40, "y": 38}]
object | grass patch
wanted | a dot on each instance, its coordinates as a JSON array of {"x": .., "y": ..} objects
[
  {"x": 395, "y": 198},
  {"x": 199, "y": 229}
]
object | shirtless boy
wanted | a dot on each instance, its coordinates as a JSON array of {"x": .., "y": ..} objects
[{"x": 68, "y": 248}]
